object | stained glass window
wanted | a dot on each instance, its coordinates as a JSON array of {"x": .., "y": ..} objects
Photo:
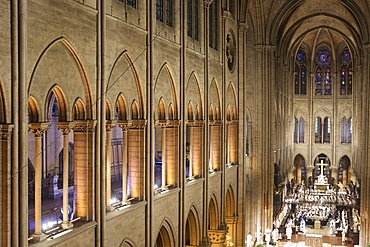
[
  {"x": 192, "y": 18},
  {"x": 164, "y": 11},
  {"x": 346, "y": 73},
  {"x": 300, "y": 73},
  {"x": 131, "y": 3},
  {"x": 323, "y": 74},
  {"x": 213, "y": 25}
]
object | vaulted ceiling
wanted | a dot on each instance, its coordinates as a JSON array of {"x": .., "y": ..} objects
[{"x": 291, "y": 23}]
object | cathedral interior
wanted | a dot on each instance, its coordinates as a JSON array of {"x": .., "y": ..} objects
[{"x": 137, "y": 123}]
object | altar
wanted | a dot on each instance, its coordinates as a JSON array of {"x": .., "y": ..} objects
[{"x": 313, "y": 240}]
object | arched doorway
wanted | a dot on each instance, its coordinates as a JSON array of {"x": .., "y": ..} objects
[
  {"x": 343, "y": 170},
  {"x": 192, "y": 229},
  {"x": 165, "y": 236},
  {"x": 299, "y": 169}
]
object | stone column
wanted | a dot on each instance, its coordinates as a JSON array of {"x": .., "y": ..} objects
[
  {"x": 65, "y": 127},
  {"x": 170, "y": 151},
  {"x": 84, "y": 162},
  {"x": 215, "y": 144},
  {"x": 217, "y": 237},
  {"x": 109, "y": 126},
  {"x": 124, "y": 126},
  {"x": 196, "y": 147},
  {"x": 5, "y": 177},
  {"x": 299, "y": 173},
  {"x": 309, "y": 171},
  {"x": 191, "y": 147},
  {"x": 345, "y": 177},
  {"x": 136, "y": 157},
  {"x": 231, "y": 222},
  {"x": 334, "y": 174},
  {"x": 232, "y": 142},
  {"x": 38, "y": 129}
]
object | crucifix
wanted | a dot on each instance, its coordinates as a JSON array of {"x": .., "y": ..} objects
[{"x": 322, "y": 167}]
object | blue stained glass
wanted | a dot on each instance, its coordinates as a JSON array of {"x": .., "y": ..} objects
[
  {"x": 323, "y": 57},
  {"x": 301, "y": 56},
  {"x": 346, "y": 56}
]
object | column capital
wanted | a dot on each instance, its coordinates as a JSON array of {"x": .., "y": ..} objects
[
  {"x": 168, "y": 123},
  {"x": 226, "y": 14},
  {"x": 232, "y": 122},
  {"x": 84, "y": 125},
  {"x": 207, "y": 3},
  {"x": 138, "y": 124},
  {"x": 133, "y": 124},
  {"x": 231, "y": 220},
  {"x": 217, "y": 236},
  {"x": 216, "y": 122},
  {"x": 110, "y": 124},
  {"x": 6, "y": 131},
  {"x": 195, "y": 123},
  {"x": 243, "y": 27},
  {"x": 38, "y": 128},
  {"x": 124, "y": 124},
  {"x": 65, "y": 127}
]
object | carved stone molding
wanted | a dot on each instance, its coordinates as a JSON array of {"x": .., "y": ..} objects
[
  {"x": 168, "y": 123},
  {"x": 226, "y": 14},
  {"x": 84, "y": 125},
  {"x": 133, "y": 124},
  {"x": 124, "y": 124},
  {"x": 138, "y": 124},
  {"x": 215, "y": 122},
  {"x": 232, "y": 122},
  {"x": 217, "y": 236},
  {"x": 195, "y": 123},
  {"x": 38, "y": 128},
  {"x": 110, "y": 125},
  {"x": 6, "y": 131},
  {"x": 230, "y": 220},
  {"x": 207, "y": 3},
  {"x": 65, "y": 127}
]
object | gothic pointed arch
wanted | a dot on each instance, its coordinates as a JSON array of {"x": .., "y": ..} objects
[
  {"x": 300, "y": 168},
  {"x": 213, "y": 212},
  {"x": 127, "y": 242},
  {"x": 108, "y": 110},
  {"x": 228, "y": 113},
  {"x": 190, "y": 111},
  {"x": 72, "y": 78},
  {"x": 193, "y": 94},
  {"x": 231, "y": 100},
  {"x": 344, "y": 167},
  {"x": 161, "y": 109},
  {"x": 122, "y": 109},
  {"x": 166, "y": 236},
  {"x": 320, "y": 159},
  {"x": 164, "y": 87},
  {"x": 211, "y": 113},
  {"x": 134, "y": 110},
  {"x": 124, "y": 74},
  {"x": 214, "y": 99},
  {"x": 58, "y": 94},
  {"x": 79, "y": 110},
  {"x": 192, "y": 230},
  {"x": 33, "y": 110},
  {"x": 230, "y": 202}
]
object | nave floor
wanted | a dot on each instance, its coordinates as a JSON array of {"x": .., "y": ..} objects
[{"x": 334, "y": 241}]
